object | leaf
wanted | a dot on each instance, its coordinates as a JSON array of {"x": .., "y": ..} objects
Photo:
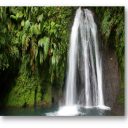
[
  {"x": 53, "y": 59},
  {"x": 36, "y": 29},
  {"x": 9, "y": 26},
  {"x": 23, "y": 39},
  {"x": 41, "y": 57},
  {"x": 13, "y": 17},
  {"x": 26, "y": 25},
  {"x": 39, "y": 18},
  {"x": 35, "y": 49},
  {"x": 44, "y": 42},
  {"x": 19, "y": 15},
  {"x": 22, "y": 23},
  {"x": 52, "y": 24}
]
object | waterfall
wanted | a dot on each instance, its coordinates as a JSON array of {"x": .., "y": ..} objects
[
  {"x": 84, "y": 58},
  {"x": 73, "y": 51},
  {"x": 84, "y": 72}
]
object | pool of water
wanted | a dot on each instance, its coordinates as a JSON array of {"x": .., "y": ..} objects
[{"x": 53, "y": 111}]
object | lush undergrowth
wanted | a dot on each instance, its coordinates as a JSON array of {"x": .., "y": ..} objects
[{"x": 34, "y": 40}]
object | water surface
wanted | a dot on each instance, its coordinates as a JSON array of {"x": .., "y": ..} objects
[{"x": 51, "y": 112}]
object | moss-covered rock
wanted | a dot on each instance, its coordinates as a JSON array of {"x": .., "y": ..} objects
[{"x": 26, "y": 92}]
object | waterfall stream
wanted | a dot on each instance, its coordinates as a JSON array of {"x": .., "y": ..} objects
[
  {"x": 87, "y": 57},
  {"x": 84, "y": 72}
]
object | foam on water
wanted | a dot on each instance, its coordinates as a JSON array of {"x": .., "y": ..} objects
[
  {"x": 68, "y": 111},
  {"x": 103, "y": 107}
]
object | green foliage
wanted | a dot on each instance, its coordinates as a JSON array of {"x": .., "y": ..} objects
[
  {"x": 34, "y": 39},
  {"x": 9, "y": 50},
  {"x": 44, "y": 42},
  {"x": 112, "y": 29},
  {"x": 24, "y": 92},
  {"x": 48, "y": 97}
]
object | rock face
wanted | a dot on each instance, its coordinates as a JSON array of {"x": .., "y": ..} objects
[{"x": 111, "y": 77}]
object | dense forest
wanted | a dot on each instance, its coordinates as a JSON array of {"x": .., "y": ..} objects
[{"x": 34, "y": 43}]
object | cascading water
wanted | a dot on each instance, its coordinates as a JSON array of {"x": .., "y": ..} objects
[
  {"x": 92, "y": 61},
  {"x": 84, "y": 75},
  {"x": 84, "y": 33},
  {"x": 72, "y": 63}
]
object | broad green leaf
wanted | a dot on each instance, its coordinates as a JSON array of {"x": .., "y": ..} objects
[
  {"x": 22, "y": 23},
  {"x": 44, "y": 42},
  {"x": 36, "y": 29},
  {"x": 19, "y": 15},
  {"x": 23, "y": 39},
  {"x": 39, "y": 18},
  {"x": 26, "y": 25},
  {"x": 52, "y": 24}
]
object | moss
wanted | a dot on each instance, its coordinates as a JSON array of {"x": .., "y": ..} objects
[
  {"x": 120, "y": 98},
  {"x": 26, "y": 88},
  {"x": 47, "y": 97},
  {"x": 23, "y": 93}
]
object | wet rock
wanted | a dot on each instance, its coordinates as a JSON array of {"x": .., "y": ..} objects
[{"x": 111, "y": 77}]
